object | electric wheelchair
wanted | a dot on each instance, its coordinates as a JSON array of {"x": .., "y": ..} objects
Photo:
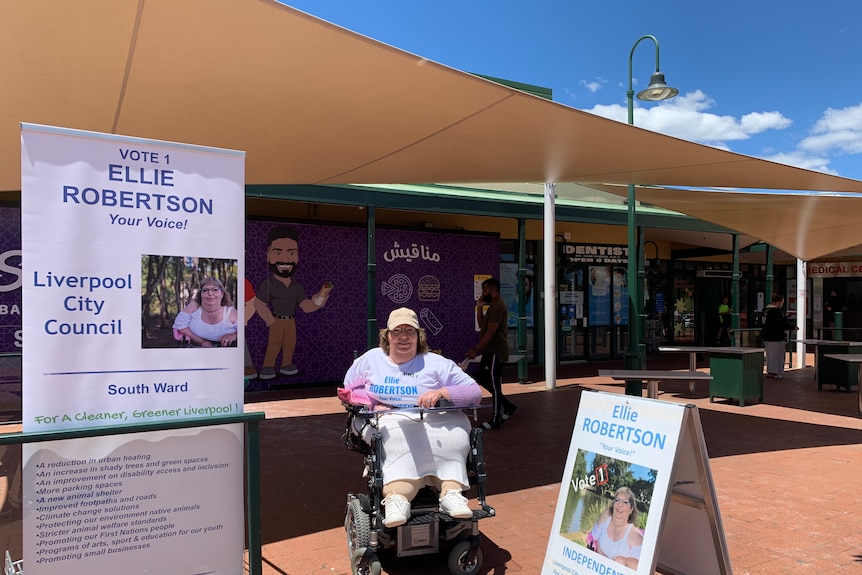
[{"x": 428, "y": 528}]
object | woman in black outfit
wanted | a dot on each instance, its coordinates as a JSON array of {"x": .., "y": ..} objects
[{"x": 774, "y": 335}]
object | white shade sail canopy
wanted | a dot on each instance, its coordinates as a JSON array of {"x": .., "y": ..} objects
[
  {"x": 313, "y": 103},
  {"x": 807, "y": 226}
]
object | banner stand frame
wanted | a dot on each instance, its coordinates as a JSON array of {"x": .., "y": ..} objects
[{"x": 692, "y": 510}]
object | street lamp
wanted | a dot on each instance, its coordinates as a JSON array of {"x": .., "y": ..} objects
[{"x": 656, "y": 91}]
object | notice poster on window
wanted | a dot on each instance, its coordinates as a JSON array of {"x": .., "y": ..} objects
[
  {"x": 132, "y": 255},
  {"x": 621, "y": 297},
  {"x": 600, "y": 295},
  {"x": 615, "y": 486}
]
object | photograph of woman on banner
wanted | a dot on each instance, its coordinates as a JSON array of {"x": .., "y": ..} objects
[
  {"x": 209, "y": 320},
  {"x": 172, "y": 296},
  {"x": 615, "y": 534},
  {"x": 607, "y": 506}
]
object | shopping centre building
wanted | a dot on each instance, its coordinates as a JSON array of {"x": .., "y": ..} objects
[{"x": 343, "y": 137}]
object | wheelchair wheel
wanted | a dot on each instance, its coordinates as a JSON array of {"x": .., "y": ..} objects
[
  {"x": 357, "y": 524},
  {"x": 458, "y": 564},
  {"x": 373, "y": 567}
]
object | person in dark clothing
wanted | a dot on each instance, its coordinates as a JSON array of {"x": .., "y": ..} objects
[
  {"x": 774, "y": 335},
  {"x": 493, "y": 346}
]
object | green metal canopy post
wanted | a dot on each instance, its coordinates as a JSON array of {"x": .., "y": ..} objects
[
  {"x": 734, "y": 292},
  {"x": 371, "y": 334},
  {"x": 522, "y": 304}
]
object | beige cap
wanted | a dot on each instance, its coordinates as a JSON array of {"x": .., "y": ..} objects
[{"x": 402, "y": 316}]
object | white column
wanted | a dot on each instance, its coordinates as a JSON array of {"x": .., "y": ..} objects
[
  {"x": 801, "y": 313},
  {"x": 550, "y": 291}
]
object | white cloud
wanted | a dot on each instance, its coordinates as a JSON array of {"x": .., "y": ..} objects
[
  {"x": 837, "y": 130},
  {"x": 843, "y": 119},
  {"x": 593, "y": 86},
  {"x": 686, "y": 117},
  {"x": 801, "y": 159},
  {"x": 612, "y": 112}
]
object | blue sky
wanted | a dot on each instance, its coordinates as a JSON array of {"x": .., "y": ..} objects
[{"x": 779, "y": 80}]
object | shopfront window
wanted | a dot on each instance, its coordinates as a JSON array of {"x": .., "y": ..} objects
[{"x": 683, "y": 307}]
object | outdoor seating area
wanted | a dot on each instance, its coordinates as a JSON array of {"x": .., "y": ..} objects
[{"x": 654, "y": 377}]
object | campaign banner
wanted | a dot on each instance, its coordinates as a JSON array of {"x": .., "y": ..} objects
[
  {"x": 163, "y": 502},
  {"x": 132, "y": 251},
  {"x": 115, "y": 230},
  {"x": 615, "y": 486}
]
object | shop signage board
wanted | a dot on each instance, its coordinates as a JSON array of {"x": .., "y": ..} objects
[
  {"x": 102, "y": 218},
  {"x": 10, "y": 280},
  {"x": 637, "y": 494},
  {"x": 834, "y": 269},
  {"x": 594, "y": 253}
]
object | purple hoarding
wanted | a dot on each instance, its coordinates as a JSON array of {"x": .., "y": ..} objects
[
  {"x": 10, "y": 280},
  {"x": 431, "y": 272}
]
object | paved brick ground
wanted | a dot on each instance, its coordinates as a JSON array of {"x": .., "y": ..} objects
[{"x": 788, "y": 474}]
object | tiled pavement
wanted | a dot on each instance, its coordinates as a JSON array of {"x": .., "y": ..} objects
[{"x": 787, "y": 472}]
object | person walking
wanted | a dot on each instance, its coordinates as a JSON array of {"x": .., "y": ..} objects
[
  {"x": 774, "y": 335},
  {"x": 723, "y": 337},
  {"x": 493, "y": 347}
]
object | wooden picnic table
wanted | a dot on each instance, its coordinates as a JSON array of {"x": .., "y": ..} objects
[
  {"x": 653, "y": 377},
  {"x": 692, "y": 359}
]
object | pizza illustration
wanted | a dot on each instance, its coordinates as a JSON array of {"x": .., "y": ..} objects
[{"x": 397, "y": 288}]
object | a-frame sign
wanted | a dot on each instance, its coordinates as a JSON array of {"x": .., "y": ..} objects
[{"x": 637, "y": 494}]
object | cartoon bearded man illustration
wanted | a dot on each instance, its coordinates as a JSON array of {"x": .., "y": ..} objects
[{"x": 277, "y": 298}]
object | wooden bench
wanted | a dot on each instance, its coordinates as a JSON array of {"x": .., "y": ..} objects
[{"x": 653, "y": 377}]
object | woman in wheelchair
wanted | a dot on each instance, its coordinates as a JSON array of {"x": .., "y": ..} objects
[{"x": 417, "y": 451}]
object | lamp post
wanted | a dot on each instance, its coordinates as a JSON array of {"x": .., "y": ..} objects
[{"x": 656, "y": 91}]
